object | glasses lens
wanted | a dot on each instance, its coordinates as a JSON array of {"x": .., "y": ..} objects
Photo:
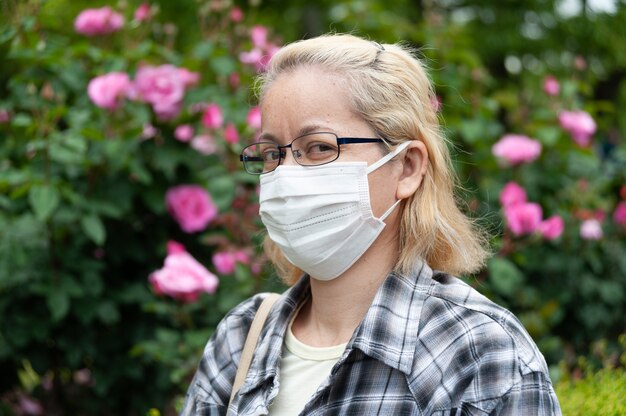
[
  {"x": 315, "y": 149},
  {"x": 261, "y": 157}
]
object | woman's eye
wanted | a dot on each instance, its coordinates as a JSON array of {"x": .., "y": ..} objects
[
  {"x": 320, "y": 149},
  {"x": 271, "y": 155}
]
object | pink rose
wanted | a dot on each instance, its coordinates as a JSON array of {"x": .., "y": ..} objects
[
  {"x": 182, "y": 277},
  {"x": 259, "y": 57},
  {"x": 591, "y": 229},
  {"x": 191, "y": 206},
  {"x": 162, "y": 87},
  {"x": 230, "y": 134},
  {"x": 188, "y": 77},
  {"x": 552, "y": 228},
  {"x": 252, "y": 57},
  {"x": 256, "y": 268},
  {"x": 619, "y": 215},
  {"x": 174, "y": 247},
  {"x": 516, "y": 149},
  {"x": 28, "y": 405},
  {"x": 183, "y": 133},
  {"x": 106, "y": 91},
  {"x": 523, "y": 218},
  {"x": 551, "y": 85},
  {"x": 149, "y": 131},
  {"x": 512, "y": 194},
  {"x": 579, "y": 124},
  {"x": 143, "y": 12},
  {"x": 94, "y": 22},
  {"x": 234, "y": 80},
  {"x": 270, "y": 51},
  {"x": 204, "y": 144},
  {"x": 226, "y": 261},
  {"x": 83, "y": 377},
  {"x": 236, "y": 15},
  {"x": 254, "y": 118},
  {"x": 258, "y": 35},
  {"x": 5, "y": 117},
  {"x": 242, "y": 256},
  {"x": 212, "y": 117}
]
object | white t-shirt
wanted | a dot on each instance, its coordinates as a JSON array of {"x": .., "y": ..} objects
[{"x": 302, "y": 369}]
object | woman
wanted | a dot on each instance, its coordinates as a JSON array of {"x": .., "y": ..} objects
[{"x": 357, "y": 197}]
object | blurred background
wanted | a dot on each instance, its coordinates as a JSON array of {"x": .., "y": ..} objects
[{"x": 128, "y": 227}]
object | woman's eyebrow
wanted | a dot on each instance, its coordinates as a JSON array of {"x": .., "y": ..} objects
[
  {"x": 265, "y": 137},
  {"x": 312, "y": 128}
]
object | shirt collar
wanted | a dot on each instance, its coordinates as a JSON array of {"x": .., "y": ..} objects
[
  {"x": 389, "y": 330},
  {"x": 387, "y": 333}
]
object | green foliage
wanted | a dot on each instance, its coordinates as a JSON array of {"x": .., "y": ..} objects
[
  {"x": 83, "y": 219},
  {"x": 601, "y": 393},
  {"x": 595, "y": 386}
]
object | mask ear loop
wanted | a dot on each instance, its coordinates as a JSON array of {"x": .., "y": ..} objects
[
  {"x": 381, "y": 162},
  {"x": 388, "y": 157},
  {"x": 390, "y": 210}
]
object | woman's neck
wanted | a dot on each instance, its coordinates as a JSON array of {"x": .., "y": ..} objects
[{"x": 336, "y": 307}]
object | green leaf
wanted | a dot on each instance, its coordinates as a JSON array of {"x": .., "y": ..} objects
[
  {"x": 472, "y": 130},
  {"x": 222, "y": 190},
  {"x": 548, "y": 135},
  {"x": 22, "y": 120},
  {"x": 223, "y": 65},
  {"x": 583, "y": 164},
  {"x": 28, "y": 376},
  {"x": 93, "y": 227},
  {"x": 139, "y": 172},
  {"x": 58, "y": 303},
  {"x": 43, "y": 200},
  {"x": 479, "y": 129},
  {"x": 108, "y": 312},
  {"x": 68, "y": 150},
  {"x": 70, "y": 286},
  {"x": 203, "y": 51},
  {"x": 505, "y": 277}
]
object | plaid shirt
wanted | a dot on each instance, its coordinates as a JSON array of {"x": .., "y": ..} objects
[{"x": 428, "y": 345}]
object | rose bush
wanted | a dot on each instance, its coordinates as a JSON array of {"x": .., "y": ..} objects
[
  {"x": 110, "y": 154},
  {"x": 556, "y": 262}
]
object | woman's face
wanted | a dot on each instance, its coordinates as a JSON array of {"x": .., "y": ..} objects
[{"x": 309, "y": 100}]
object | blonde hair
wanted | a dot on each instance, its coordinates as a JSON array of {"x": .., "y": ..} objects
[{"x": 390, "y": 89}]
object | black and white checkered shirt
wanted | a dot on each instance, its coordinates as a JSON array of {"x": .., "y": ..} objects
[{"x": 428, "y": 345}]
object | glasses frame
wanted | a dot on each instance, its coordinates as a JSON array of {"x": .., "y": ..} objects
[{"x": 282, "y": 153}]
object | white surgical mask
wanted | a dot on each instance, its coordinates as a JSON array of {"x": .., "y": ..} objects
[{"x": 320, "y": 216}]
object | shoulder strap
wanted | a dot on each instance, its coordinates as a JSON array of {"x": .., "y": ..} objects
[{"x": 251, "y": 340}]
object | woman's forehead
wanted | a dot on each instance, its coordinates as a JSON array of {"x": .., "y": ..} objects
[{"x": 299, "y": 99}]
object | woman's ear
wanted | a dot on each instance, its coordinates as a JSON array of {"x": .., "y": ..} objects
[{"x": 414, "y": 167}]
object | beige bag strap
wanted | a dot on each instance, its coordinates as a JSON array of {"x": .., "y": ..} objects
[{"x": 251, "y": 340}]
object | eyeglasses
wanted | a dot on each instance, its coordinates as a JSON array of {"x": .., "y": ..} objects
[{"x": 311, "y": 149}]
